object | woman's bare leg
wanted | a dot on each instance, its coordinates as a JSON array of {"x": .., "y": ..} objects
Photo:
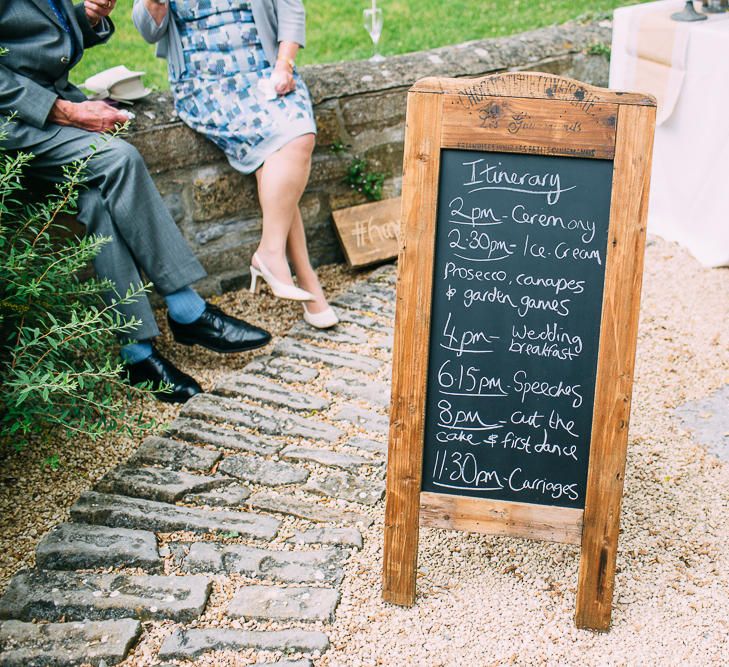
[
  {"x": 305, "y": 274},
  {"x": 281, "y": 182}
]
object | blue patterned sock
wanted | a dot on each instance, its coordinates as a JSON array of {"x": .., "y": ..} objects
[
  {"x": 133, "y": 353},
  {"x": 185, "y": 305}
]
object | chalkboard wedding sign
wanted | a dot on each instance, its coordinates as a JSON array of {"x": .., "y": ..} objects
[{"x": 522, "y": 237}]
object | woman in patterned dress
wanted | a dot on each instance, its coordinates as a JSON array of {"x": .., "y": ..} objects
[{"x": 226, "y": 58}]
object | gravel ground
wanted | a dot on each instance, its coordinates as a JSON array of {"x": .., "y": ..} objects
[
  {"x": 33, "y": 498},
  {"x": 497, "y": 601}
]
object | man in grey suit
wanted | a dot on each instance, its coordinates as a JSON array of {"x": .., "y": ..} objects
[{"x": 57, "y": 124}]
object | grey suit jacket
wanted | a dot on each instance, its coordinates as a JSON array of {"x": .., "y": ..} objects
[
  {"x": 34, "y": 71},
  {"x": 276, "y": 21}
]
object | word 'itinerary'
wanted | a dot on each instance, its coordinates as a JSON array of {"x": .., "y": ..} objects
[{"x": 517, "y": 299}]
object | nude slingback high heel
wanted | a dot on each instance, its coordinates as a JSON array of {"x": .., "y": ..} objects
[
  {"x": 279, "y": 289},
  {"x": 324, "y": 320}
]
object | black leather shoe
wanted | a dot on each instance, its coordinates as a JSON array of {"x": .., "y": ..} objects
[
  {"x": 158, "y": 370},
  {"x": 219, "y": 332}
]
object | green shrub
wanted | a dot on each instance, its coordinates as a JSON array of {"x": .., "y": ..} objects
[
  {"x": 58, "y": 353},
  {"x": 599, "y": 49},
  {"x": 360, "y": 178}
]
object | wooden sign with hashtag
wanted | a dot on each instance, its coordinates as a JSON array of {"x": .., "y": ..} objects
[{"x": 369, "y": 232}]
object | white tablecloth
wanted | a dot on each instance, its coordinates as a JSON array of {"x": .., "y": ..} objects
[{"x": 689, "y": 200}]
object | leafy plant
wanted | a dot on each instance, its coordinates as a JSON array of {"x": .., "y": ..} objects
[
  {"x": 58, "y": 361},
  {"x": 599, "y": 49},
  {"x": 338, "y": 147},
  {"x": 53, "y": 462},
  {"x": 360, "y": 178}
]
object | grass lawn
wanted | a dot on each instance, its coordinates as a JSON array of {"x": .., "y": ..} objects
[{"x": 335, "y": 30}]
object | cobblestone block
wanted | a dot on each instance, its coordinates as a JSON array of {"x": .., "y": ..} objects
[
  {"x": 385, "y": 343},
  {"x": 67, "y": 644},
  {"x": 345, "y": 537},
  {"x": 260, "y": 471},
  {"x": 119, "y": 511},
  {"x": 173, "y": 454},
  {"x": 368, "y": 445},
  {"x": 340, "y": 334},
  {"x": 359, "y": 387},
  {"x": 323, "y": 566},
  {"x": 324, "y": 355},
  {"x": 366, "y": 419},
  {"x": 52, "y": 596},
  {"x": 327, "y": 457},
  {"x": 273, "y": 422},
  {"x": 192, "y": 643},
  {"x": 365, "y": 304},
  {"x": 348, "y": 487},
  {"x": 371, "y": 289},
  {"x": 284, "y": 604},
  {"x": 196, "y": 430},
  {"x": 264, "y": 391},
  {"x": 281, "y": 368},
  {"x": 77, "y": 546},
  {"x": 233, "y": 495},
  {"x": 157, "y": 483},
  {"x": 312, "y": 511},
  {"x": 380, "y": 324}
]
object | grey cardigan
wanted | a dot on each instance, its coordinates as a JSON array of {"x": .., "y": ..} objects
[{"x": 276, "y": 21}]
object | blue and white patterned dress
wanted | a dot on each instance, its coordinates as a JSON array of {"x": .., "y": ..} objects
[{"x": 217, "y": 92}]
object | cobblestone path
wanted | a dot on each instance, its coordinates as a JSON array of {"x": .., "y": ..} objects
[{"x": 230, "y": 531}]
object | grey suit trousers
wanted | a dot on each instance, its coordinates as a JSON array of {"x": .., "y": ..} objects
[{"x": 121, "y": 201}]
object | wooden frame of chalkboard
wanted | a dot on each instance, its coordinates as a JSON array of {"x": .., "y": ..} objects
[{"x": 516, "y": 135}]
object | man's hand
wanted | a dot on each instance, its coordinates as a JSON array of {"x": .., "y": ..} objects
[
  {"x": 91, "y": 116},
  {"x": 98, "y": 9}
]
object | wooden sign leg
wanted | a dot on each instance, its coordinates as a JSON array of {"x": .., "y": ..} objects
[
  {"x": 626, "y": 243},
  {"x": 410, "y": 351},
  {"x": 401, "y": 537}
]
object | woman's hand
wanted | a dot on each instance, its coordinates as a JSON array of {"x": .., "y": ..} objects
[
  {"x": 157, "y": 10},
  {"x": 284, "y": 68},
  {"x": 285, "y": 82}
]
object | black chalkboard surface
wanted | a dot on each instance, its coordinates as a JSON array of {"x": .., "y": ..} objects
[{"x": 517, "y": 297}]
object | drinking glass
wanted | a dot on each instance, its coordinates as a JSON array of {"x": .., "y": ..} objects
[{"x": 373, "y": 25}]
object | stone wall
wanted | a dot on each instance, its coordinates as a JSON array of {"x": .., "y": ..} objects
[{"x": 360, "y": 105}]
